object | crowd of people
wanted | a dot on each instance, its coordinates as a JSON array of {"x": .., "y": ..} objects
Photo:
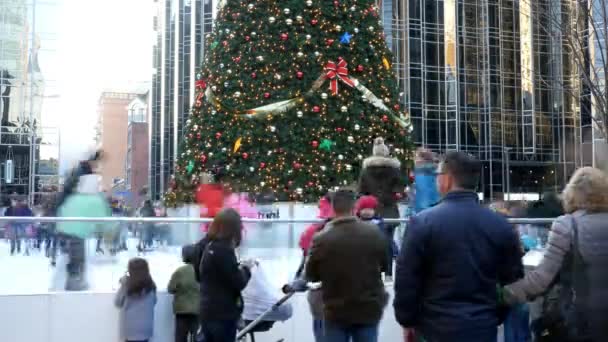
[{"x": 457, "y": 272}]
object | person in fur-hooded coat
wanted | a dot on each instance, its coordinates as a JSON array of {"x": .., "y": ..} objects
[{"x": 381, "y": 177}]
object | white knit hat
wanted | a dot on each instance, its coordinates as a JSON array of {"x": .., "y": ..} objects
[{"x": 380, "y": 149}]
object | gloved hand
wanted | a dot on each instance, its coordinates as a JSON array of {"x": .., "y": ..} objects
[{"x": 298, "y": 285}]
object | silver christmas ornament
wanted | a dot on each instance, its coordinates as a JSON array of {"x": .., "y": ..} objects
[
  {"x": 324, "y": 96},
  {"x": 323, "y": 167},
  {"x": 214, "y": 88},
  {"x": 272, "y": 20},
  {"x": 251, "y": 169},
  {"x": 300, "y": 54},
  {"x": 338, "y": 28},
  {"x": 188, "y": 152},
  {"x": 340, "y": 157},
  {"x": 349, "y": 167},
  {"x": 300, "y": 114},
  {"x": 227, "y": 167},
  {"x": 286, "y": 11},
  {"x": 226, "y": 84},
  {"x": 308, "y": 37},
  {"x": 224, "y": 149},
  {"x": 359, "y": 157},
  {"x": 353, "y": 8},
  {"x": 344, "y": 109},
  {"x": 317, "y": 53},
  {"x": 308, "y": 3},
  {"x": 262, "y": 183},
  {"x": 269, "y": 152},
  {"x": 210, "y": 154},
  {"x": 213, "y": 112},
  {"x": 299, "y": 191},
  {"x": 356, "y": 30},
  {"x": 227, "y": 31},
  {"x": 371, "y": 29},
  {"x": 188, "y": 122},
  {"x": 273, "y": 129},
  {"x": 221, "y": 65},
  {"x": 357, "y": 127},
  {"x": 229, "y": 71},
  {"x": 288, "y": 21},
  {"x": 299, "y": 18},
  {"x": 237, "y": 94},
  {"x": 250, "y": 6},
  {"x": 253, "y": 34},
  {"x": 195, "y": 127},
  {"x": 260, "y": 58},
  {"x": 350, "y": 139},
  {"x": 277, "y": 76}
]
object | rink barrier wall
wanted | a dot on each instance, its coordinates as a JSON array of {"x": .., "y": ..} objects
[{"x": 542, "y": 221}]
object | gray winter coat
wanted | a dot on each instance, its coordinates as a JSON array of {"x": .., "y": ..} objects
[{"x": 593, "y": 246}]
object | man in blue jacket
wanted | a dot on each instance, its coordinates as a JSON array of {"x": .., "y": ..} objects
[{"x": 454, "y": 256}]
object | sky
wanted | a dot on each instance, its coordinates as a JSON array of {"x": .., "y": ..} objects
[{"x": 86, "y": 47}]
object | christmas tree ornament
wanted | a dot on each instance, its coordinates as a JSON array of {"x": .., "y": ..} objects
[
  {"x": 356, "y": 30},
  {"x": 324, "y": 96},
  {"x": 203, "y": 158},
  {"x": 343, "y": 109},
  {"x": 337, "y": 71},
  {"x": 224, "y": 149},
  {"x": 300, "y": 54},
  {"x": 371, "y": 29},
  {"x": 387, "y": 100},
  {"x": 237, "y": 59},
  {"x": 317, "y": 53},
  {"x": 237, "y": 145},
  {"x": 272, "y": 20},
  {"x": 200, "y": 84},
  {"x": 229, "y": 71},
  {"x": 315, "y": 144},
  {"x": 218, "y": 135},
  {"x": 359, "y": 157},
  {"x": 277, "y": 76},
  {"x": 269, "y": 152},
  {"x": 353, "y": 8},
  {"x": 262, "y": 165},
  {"x": 273, "y": 129},
  {"x": 195, "y": 127},
  {"x": 288, "y": 22},
  {"x": 188, "y": 122},
  {"x": 260, "y": 58},
  {"x": 336, "y": 3},
  {"x": 300, "y": 114},
  {"x": 214, "y": 88},
  {"x": 386, "y": 63},
  {"x": 262, "y": 183},
  {"x": 350, "y": 139},
  {"x": 326, "y": 145},
  {"x": 253, "y": 34},
  {"x": 266, "y": 95},
  {"x": 254, "y": 75},
  {"x": 345, "y": 39},
  {"x": 308, "y": 3},
  {"x": 251, "y": 169},
  {"x": 297, "y": 165},
  {"x": 214, "y": 45},
  {"x": 299, "y": 191},
  {"x": 314, "y": 22},
  {"x": 338, "y": 28},
  {"x": 360, "y": 68},
  {"x": 250, "y": 7},
  {"x": 396, "y": 107},
  {"x": 226, "y": 84},
  {"x": 245, "y": 155},
  {"x": 316, "y": 109},
  {"x": 221, "y": 65},
  {"x": 308, "y": 37},
  {"x": 237, "y": 94},
  {"x": 323, "y": 168},
  {"x": 286, "y": 11},
  {"x": 247, "y": 38},
  {"x": 227, "y": 31},
  {"x": 299, "y": 75},
  {"x": 329, "y": 41},
  {"x": 225, "y": 43},
  {"x": 284, "y": 36},
  {"x": 357, "y": 127},
  {"x": 190, "y": 167},
  {"x": 349, "y": 167},
  {"x": 385, "y": 118},
  {"x": 299, "y": 19},
  {"x": 198, "y": 135}
]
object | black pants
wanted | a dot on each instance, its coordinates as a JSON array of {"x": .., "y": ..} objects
[
  {"x": 389, "y": 233},
  {"x": 76, "y": 264},
  {"x": 185, "y": 326}
]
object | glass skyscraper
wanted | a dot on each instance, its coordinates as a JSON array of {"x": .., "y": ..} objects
[{"x": 484, "y": 76}]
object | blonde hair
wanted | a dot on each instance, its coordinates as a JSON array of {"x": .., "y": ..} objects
[{"x": 586, "y": 190}]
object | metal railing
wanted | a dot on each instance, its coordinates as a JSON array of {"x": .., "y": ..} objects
[{"x": 37, "y": 219}]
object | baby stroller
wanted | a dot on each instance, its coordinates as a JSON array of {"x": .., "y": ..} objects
[{"x": 260, "y": 324}]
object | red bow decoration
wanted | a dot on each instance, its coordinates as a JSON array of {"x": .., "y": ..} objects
[
  {"x": 337, "y": 71},
  {"x": 201, "y": 84}
]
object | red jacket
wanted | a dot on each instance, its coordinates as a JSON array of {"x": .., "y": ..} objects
[{"x": 211, "y": 196}]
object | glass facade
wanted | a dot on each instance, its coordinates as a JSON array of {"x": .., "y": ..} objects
[
  {"x": 483, "y": 76},
  {"x": 180, "y": 27}
]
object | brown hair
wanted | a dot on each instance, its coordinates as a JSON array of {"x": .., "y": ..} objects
[
  {"x": 226, "y": 225},
  {"x": 139, "y": 281},
  {"x": 586, "y": 190}
]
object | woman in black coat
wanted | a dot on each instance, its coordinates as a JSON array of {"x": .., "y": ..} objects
[
  {"x": 222, "y": 278},
  {"x": 381, "y": 177}
]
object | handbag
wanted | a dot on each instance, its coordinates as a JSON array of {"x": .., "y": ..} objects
[{"x": 562, "y": 320}]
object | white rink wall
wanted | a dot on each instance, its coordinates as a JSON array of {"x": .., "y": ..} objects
[{"x": 91, "y": 317}]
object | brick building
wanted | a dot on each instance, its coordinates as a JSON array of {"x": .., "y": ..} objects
[{"x": 137, "y": 158}]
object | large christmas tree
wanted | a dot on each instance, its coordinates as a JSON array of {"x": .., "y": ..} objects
[{"x": 290, "y": 97}]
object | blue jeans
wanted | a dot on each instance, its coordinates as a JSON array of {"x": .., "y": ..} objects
[
  {"x": 219, "y": 331},
  {"x": 347, "y": 333},
  {"x": 317, "y": 329},
  {"x": 517, "y": 324}
]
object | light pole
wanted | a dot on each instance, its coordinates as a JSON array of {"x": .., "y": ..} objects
[{"x": 508, "y": 171}]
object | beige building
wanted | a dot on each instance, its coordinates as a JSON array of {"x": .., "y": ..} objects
[{"x": 112, "y": 136}]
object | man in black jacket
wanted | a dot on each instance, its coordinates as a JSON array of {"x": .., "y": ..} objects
[
  {"x": 454, "y": 256},
  {"x": 347, "y": 258}
]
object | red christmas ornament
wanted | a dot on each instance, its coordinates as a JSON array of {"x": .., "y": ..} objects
[
  {"x": 190, "y": 136},
  {"x": 262, "y": 165},
  {"x": 203, "y": 158},
  {"x": 314, "y": 22},
  {"x": 266, "y": 95},
  {"x": 316, "y": 109},
  {"x": 384, "y": 118},
  {"x": 254, "y": 75},
  {"x": 297, "y": 165},
  {"x": 299, "y": 75},
  {"x": 247, "y": 38},
  {"x": 336, "y": 3},
  {"x": 311, "y": 184},
  {"x": 396, "y": 107},
  {"x": 201, "y": 84},
  {"x": 284, "y": 36},
  {"x": 245, "y": 155},
  {"x": 360, "y": 68},
  {"x": 236, "y": 59},
  {"x": 315, "y": 144},
  {"x": 225, "y": 43},
  {"x": 329, "y": 42},
  {"x": 218, "y": 135},
  {"x": 339, "y": 129},
  {"x": 290, "y": 183},
  {"x": 198, "y": 135}
]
